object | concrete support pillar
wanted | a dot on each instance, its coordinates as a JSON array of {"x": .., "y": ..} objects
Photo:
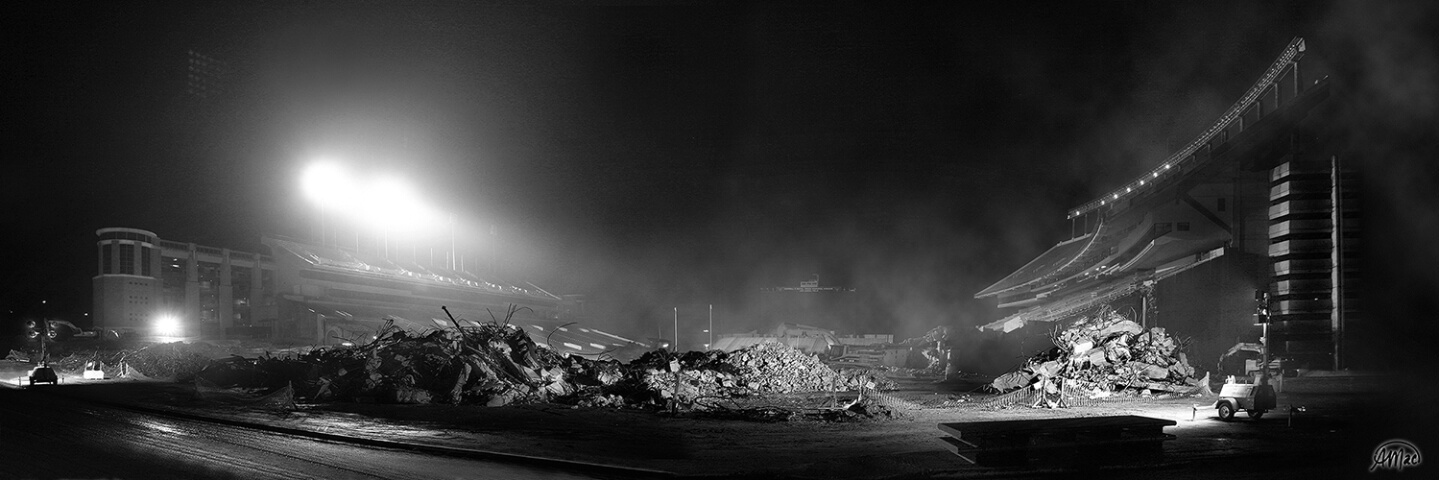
[
  {"x": 1336, "y": 259},
  {"x": 191, "y": 316},
  {"x": 257, "y": 303},
  {"x": 225, "y": 295},
  {"x": 134, "y": 257}
]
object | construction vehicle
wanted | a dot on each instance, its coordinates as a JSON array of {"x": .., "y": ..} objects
[{"x": 1256, "y": 399}]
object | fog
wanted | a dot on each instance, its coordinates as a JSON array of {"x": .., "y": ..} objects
[{"x": 654, "y": 157}]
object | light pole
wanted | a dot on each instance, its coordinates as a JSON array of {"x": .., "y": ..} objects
[
  {"x": 712, "y": 328},
  {"x": 44, "y": 335}
]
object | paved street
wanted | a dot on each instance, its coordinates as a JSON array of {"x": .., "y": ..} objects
[
  {"x": 62, "y": 432},
  {"x": 49, "y": 436}
]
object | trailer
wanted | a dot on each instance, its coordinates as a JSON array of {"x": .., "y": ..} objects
[{"x": 1255, "y": 399}]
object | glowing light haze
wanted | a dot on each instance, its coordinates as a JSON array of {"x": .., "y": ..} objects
[{"x": 378, "y": 202}]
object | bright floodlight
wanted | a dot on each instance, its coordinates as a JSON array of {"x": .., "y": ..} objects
[
  {"x": 391, "y": 204},
  {"x": 376, "y": 202},
  {"x": 167, "y": 325},
  {"x": 327, "y": 184}
]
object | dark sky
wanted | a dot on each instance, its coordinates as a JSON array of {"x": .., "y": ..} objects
[{"x": 646, "y": 156}]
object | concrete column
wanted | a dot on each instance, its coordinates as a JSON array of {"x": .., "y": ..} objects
[
  {"x": 256, "y": 302},
  {"x": 135, "y": 258},
  {"x": 192, "y": 289},
  {"x": 226, "y": 307},
  {"x": 157, "y": 282},
  {"x": 1336, "y": 259},
  {"x": 319, "y": 328},
  {"x": 156, "y": 261}
]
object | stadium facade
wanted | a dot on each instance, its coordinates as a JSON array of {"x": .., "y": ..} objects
[
  {"x": 1258, "y": 214},
  {"x": 303, "y": 292}
]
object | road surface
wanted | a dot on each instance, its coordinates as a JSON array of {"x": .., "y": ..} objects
[{"x": 49, "y": 436}]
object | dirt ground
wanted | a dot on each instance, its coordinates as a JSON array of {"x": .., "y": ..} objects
[{"x": 1323, "y": 440}]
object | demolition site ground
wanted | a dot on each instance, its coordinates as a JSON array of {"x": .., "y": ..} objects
[
  {"x": 1341, "y": 421},
  {"x": 763, "y": 411}
]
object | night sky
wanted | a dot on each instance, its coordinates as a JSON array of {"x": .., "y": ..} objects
[{"x": 650, "y": 156}]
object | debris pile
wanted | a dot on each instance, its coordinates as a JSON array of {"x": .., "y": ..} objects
[
  {"x": 777, "y": 368},
  {"x": 1100, "y": 354},
  {"x": 766, "y": 368},
  {"x": 490, "y": 365},
  {"x": 168, "y": 361},
  {"x": 498, "y": 364}
]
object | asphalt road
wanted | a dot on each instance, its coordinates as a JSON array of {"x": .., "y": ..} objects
[
  {"x": 48, "y": 432},
  {"x": 48, "y": 436}
]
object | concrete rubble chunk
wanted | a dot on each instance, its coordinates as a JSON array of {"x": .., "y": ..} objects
[
  {"x": 1105, "y": 352},
  {"x": 1125, "y": 326}
]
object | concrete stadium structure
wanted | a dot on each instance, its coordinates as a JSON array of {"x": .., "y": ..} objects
[
  {"x": 304, "y": 292},
  {"x": 1259, "y": 203}
]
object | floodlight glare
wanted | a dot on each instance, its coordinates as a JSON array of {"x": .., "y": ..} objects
[
  {"x": 390, "y": 203},
  {"x": 378, "y": 203},
  {"x": 167, "y": 325},
  {"x": 327, "y": 184}
]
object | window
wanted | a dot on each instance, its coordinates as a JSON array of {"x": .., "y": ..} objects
[
  {"x": 127, "y": 259},
  {"x": 267, "y": 287},
  {"x": 1183, "y": 226},
  {"x": 145, "y": 261},
  {"x": 1162, "y": 228},
  {"x": 1222, "y": 203},
  {"x": 107, "y": 256}
]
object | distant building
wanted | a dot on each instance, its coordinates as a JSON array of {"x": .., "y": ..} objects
[
  {"x": 808, "y": 303},
  {"x": 216, "y": 291},
  {"x": 1260, "y": 203},
  {"x": 303, "y": 292},
  {"x": 806, "y": 338}
]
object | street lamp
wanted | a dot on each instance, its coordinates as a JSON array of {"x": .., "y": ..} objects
[{"x": 44, "y": 334}]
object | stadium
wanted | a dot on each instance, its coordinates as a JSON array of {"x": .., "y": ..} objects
[
  {"x": 306, "y": 293},
  {"x": 1255, "y": 221}
]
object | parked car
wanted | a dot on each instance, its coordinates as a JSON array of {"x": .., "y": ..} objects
[{"x": 44, "y": 374}]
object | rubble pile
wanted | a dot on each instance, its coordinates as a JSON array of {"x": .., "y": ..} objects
[
  {"x": 169, "y": 361},
  {"x": 766, "y": 368},
  {"x": 489, "y": 365},
  {"x": 499, "y": 364},
  {"x": 777, "y": 368},
  {"x": 1103, "y": 353}
]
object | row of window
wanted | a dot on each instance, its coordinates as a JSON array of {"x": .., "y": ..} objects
[
  {"x": 139, "y": 237},
  {"x": 126, "y": 257}
]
